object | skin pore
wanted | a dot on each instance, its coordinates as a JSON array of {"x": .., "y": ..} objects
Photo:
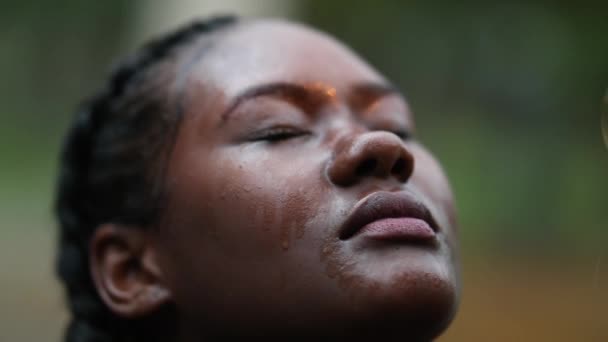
[{"x": 284, "y": 132}]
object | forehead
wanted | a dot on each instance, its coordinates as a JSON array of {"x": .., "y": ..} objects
[{"x": 262, "y": 52}]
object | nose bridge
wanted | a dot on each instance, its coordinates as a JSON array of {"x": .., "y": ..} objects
[{"x": 376, "y": 154}]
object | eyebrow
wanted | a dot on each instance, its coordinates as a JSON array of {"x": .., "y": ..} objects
[{"x": 360, "y": 95}]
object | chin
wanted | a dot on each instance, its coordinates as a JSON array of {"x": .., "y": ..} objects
[
  {"x": 414, "y": 300},
  {"x": 419, "y": 311},
  {"x": 419, "y": 306},
  {"x": 397, "y": 291}
]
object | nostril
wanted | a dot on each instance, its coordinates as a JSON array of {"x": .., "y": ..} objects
[
  {"x": 366, "y": 168},
  {"x": 398, "y": 167}
]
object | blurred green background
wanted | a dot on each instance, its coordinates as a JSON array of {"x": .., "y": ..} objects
[{"x": 506, "y": 95}]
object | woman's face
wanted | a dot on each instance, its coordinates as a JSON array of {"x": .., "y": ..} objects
[{"x": 289, "y": 147}]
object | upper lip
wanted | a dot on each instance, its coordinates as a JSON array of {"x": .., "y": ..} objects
[{"x": 381, "y": 205}]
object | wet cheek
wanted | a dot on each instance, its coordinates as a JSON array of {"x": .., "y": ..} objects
[
  {"x": 271, "y": 199},
  {"x": 432, "y": 181}
]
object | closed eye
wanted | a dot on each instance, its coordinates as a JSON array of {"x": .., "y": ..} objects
[
  {"x": 403, "y": 134},
  {"x": 277, "y": 134}
]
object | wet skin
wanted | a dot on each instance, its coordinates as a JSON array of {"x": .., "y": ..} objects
[{"x": 266, "y": 168}]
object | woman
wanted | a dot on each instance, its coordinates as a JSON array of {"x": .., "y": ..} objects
[{"x": 252, "y": 178}]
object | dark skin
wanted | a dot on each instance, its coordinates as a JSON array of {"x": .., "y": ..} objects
[{"x": 265, "y": 169}]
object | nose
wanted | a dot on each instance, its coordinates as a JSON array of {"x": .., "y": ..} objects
[{"x": 373, "y": 154}]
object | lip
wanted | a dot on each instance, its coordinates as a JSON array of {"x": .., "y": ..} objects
[{"x": 382, "y": 205}]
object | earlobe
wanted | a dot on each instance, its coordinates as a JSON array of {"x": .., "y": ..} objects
[{"x": 125, "y": 271}]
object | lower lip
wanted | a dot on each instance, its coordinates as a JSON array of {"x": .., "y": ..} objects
[{"x": 402, "y": 228}]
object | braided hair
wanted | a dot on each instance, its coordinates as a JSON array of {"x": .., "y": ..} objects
[{"x": 111, "y": 170}]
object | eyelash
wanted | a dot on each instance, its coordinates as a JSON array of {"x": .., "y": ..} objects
[
  {"x": 277, "y": 134},
  {"x": 403, "y": 134}
]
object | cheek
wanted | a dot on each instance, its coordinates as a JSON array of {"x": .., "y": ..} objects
[
  {"x": 277, "y": 196},
  {"x": 248, "y": 200},
  {"x": 237, "y": 223},
  {"x": 432, "y": 181}
]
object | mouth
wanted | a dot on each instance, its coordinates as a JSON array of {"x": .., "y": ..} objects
[{"x": 390, "y": 216}]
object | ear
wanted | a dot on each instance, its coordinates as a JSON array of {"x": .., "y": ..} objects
[{"x": 126, "y": 272}]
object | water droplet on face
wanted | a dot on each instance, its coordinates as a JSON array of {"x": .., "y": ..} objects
[
  {"x": 331, "y": 270},
  {"x": 285, "y": 231},
  {"x": 299, "y": 229}
]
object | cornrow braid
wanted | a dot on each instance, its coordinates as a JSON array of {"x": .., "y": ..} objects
[{"x": 111, "y": 170}]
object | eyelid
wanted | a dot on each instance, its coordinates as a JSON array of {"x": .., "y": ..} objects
[
  {"x": 278, "y": 133},
  {"x": 404, "y": 134},
  {"x": 396, "y": 122}
]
